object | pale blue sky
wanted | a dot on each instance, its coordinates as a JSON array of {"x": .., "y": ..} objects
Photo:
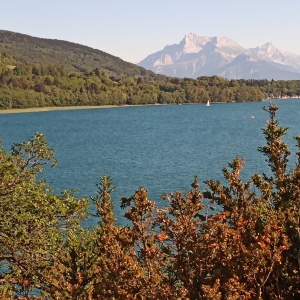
[{"x": 132, "y": 29}]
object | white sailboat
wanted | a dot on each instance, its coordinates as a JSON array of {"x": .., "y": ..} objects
[{"x": 207, "y": 104}]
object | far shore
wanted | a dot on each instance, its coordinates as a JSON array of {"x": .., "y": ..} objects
[
  {"x": 41, "y": 109},
  {"x": 52, "y": 108}
]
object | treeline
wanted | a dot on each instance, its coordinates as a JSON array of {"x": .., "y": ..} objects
[
  {"x": 25, "y": 85},
  {"x": 250, "y": 249}
]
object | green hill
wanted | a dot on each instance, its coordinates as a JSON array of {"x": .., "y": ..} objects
[{"x": 71, "y": 56}]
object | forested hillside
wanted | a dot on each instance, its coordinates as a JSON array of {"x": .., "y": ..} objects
[
  {"x": 29, "y": 85},
  {"x": 70, "y": 56}
]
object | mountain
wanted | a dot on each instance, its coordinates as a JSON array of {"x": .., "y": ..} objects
[
  {"x": 70, "y": 56},
  {"x": 247, "y": 66},
  {"x": 198, "y": 56}
]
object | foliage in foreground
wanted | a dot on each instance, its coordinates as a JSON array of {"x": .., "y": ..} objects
[{"x": 250, "y": 249}]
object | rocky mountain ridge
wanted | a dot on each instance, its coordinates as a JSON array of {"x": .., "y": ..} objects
[{"x": 198, "y": 56}]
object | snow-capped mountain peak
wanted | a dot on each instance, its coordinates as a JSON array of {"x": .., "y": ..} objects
[
  {"x": 269, "y": 52},
  {"x": 193, "y": 43},
  {"x": 196, "y": 56}
]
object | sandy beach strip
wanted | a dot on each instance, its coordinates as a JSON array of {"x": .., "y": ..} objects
[
  {"x": 41, "y": 109},
  {"x": 51, "y": 108}
]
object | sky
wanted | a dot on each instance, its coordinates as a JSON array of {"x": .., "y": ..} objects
[{"x": 134, "y": 29}]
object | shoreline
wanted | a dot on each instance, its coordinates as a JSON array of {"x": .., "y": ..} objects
[
  {"x": 58, "y": 108},
  {"x": 43, "y": 109}
]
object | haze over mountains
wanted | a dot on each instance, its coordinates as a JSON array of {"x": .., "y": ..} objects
[{"x": 198, "y": 56}]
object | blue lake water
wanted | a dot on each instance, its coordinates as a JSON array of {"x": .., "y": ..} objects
[{"x": 159, "y": 147}]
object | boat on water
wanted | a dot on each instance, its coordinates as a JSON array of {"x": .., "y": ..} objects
[{"x": 208, "y": 103}]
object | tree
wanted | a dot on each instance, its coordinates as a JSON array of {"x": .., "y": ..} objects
[
  {"x": 33, "y": 220},
  {"x": 256, "y": 243}
]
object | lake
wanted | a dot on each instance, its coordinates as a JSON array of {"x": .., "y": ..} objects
[{"x": 158, "y": 147}]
